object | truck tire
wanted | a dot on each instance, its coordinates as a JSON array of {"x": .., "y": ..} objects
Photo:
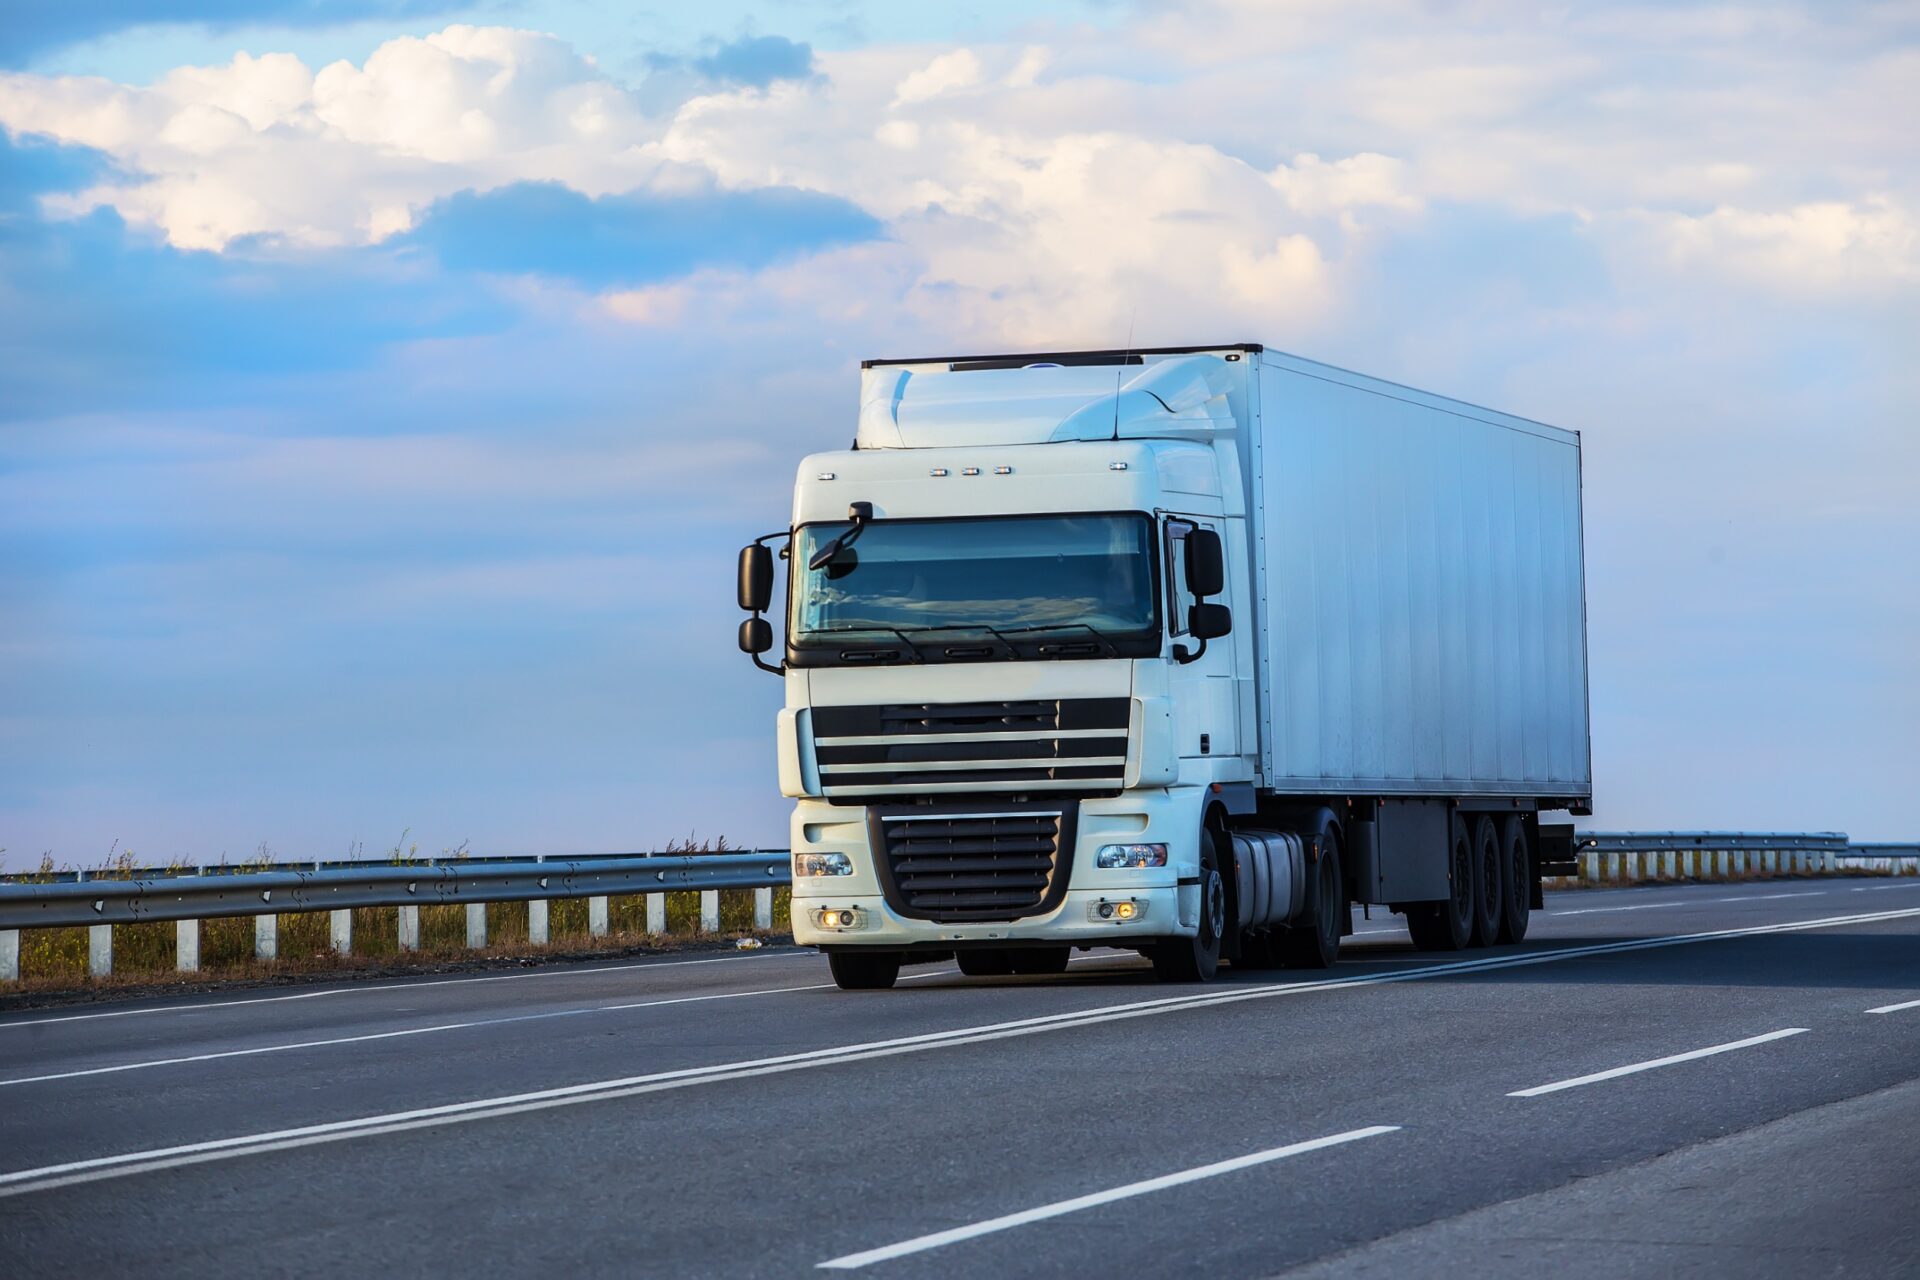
[
  {"x": 864, "y": 970},
  {"x": 1489, "y": 905},
  {"x": 1448, "y": 926},
  {"x": 984, "y": 964},
  {"x": 1040, "y": 959},
  {"x": 1197, "y": 959},
  {"x": 1516, "y": 866},
  {"x": 1314, "y": 943}
]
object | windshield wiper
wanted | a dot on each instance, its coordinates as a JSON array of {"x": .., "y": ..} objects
[
  {"x": 1100, "y": 637},
  {"x": 912, "y": 649},
  {"x": 993, "y": 631}
]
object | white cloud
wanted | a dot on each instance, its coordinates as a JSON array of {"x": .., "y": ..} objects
[{"x": 1830, "y": 247}]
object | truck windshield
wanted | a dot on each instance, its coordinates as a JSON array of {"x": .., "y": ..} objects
[{"x": 1008, "y": 587}]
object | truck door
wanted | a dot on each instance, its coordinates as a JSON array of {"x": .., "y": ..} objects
[{"x": 1206, "y": 709}]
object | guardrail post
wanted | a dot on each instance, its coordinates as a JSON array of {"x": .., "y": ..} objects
[
  {"x": 186, "y": 946},
  {"x": 409, "y": 928},
  {"x": 1690, "y": 860},
  {"x": 476, "y": 926},
  {"x": 537, "y": 921},
  {"x": 656, "y": 913},
  {"x": 597, "y": 915},
  {"x": 100, "y": 950},
  {"x": 1590, "y": 865},
  {"x": 1669, "y": 865},
  {"x": 266, "y": 937},
  {"x": 709, "y": 911},
  {"x": 763, "y": 908},
  {"x": 340, "y": 932},
  {"x": 9, "y": 955}
]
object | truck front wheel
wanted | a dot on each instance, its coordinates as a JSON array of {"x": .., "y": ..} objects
[
  {"x": 1197, "y": 959},
  {"x": 864, "y": 970}
]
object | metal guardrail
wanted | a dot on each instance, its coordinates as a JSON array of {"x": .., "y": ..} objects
[
  {"x": 193, "y": 897},
  {"x": 1717, "y": 841}
]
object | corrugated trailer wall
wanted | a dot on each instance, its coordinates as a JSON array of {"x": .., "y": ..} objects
[{"x": 1422, "y": 603}]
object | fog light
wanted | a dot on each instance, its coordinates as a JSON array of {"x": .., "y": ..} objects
[
  {"x": 1124, "y": 911},
  {"x": 1110, "y": 857},
  {"x": 839, "y": 917},
  {"x": 822, "y": 864}
]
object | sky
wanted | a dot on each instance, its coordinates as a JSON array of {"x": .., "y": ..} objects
[{"x": 387, "y": 385}]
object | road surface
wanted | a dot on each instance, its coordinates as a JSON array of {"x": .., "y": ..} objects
[{"x": 1707, "y": 1079}]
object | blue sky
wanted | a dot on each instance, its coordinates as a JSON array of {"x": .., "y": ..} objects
[{"x": 385, "y": 385}]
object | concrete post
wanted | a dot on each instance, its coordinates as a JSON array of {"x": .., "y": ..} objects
[
  {"x": 656, "y": 913},
  {"x": 597, "y": 916},
  {"x": 476, "y": 926},
  {"x": 266, "y": 937},
  {"x": 9, "y": 955},
  {"x": 537, "y": 921},
  {"x": 709, "y": 911},
  {"x": 763, "y": 908},
  {"x": 409, "y": 928},
  {"x": 100, "y": 950},
  {"x": 186, "y": 946},
  {"x": 1691, "y": 861},
  {"x": 340, "y": 932},
  {"x": 1723, "y": 864}
]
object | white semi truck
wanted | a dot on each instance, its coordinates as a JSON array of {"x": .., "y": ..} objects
[{"x": 1186, "y": 650}]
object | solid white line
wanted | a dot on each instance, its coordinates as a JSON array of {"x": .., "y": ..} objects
[
  {"x": 397, "y": 1035},
  {"x": 1896, "y": 1008},
  {"x": 1635, "y": 1068},
  {"x": 403, "y": 984},
  {"x": 920, "y": 1244},
  {"x": 1639, "y": 906},
  {"x": 22, "y": 1181}
]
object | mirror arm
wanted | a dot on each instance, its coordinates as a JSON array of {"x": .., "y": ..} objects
[
  {"x": 764, "y": 665},
  {"x": 1184, "y": 656}
]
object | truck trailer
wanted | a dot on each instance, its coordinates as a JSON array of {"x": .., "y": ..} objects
[{"x": 1187, "y": 650}]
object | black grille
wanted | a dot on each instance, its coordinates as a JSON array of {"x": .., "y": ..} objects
[
  {"x": 1070, "y": 745},
  {"x": 976, "y": 865}
]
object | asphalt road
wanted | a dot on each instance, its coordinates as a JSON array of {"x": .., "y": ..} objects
[{"x": 1498, "y": 1112}]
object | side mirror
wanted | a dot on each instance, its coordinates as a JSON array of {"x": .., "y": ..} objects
[
  {"x": 756, "y": 583},
  {"x": 1209, "y": 621},
  {"x": 1206, "y": 564},
  {"x": 756, "y": 636}
]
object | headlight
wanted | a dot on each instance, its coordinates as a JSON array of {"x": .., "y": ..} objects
[
  {"x": 825, "y": 864},
  {"x": 1111, "y": 856}
]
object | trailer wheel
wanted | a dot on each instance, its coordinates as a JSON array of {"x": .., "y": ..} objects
[
  {"x": 1516, "y": 866},
  {"x": 984, "y": 964},
  {"x": 864, "y": 970},
  {"x": 1039, "y": 959},
  {"x": 1197, "y": 959},
  {"x": 1489, "y": 904},
  {"x": 1314, "y": 943},
  {"x": 1448, "y": 926}
]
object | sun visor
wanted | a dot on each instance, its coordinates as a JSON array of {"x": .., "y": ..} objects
[{"x": 903, "y": 408}]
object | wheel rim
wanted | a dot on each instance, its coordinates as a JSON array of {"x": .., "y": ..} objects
[
  {"x": 1489, "y": 878},
  {"x": 1216, "y": 906}
]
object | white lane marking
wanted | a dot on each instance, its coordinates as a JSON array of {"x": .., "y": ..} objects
[
  {"x": 1896, "y": 1008},
  {"x": 939, "y": 1239},
  {"x": 1768, "y": 897},
  {"x": 1638, "y": 906},
  {"x": 69, "y": 1173},
  {"x": 397, "y": 1035},
  {"x": 214, "y": 1006},
  {"x": 1637, "y": 1067}
]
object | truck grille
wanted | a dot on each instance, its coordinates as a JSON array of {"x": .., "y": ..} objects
[
  {"x": 1063, "y": 744},
  {"x": 974, "y": 866}
]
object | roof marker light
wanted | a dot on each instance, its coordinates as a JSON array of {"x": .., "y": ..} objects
[
  {"x": 969, "y": 471},
  {"x": 1116, "y": 466},
  {"x": 827, "y": 475},
  {"x": 1003, "y": 471},
  {"x": 937, "y": 471}
]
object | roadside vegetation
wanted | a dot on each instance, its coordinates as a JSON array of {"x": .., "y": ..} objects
[{"x": 54, "y": 961}]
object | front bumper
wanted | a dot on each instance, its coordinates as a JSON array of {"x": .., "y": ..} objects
[{"x": 1158, "y": 910}]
